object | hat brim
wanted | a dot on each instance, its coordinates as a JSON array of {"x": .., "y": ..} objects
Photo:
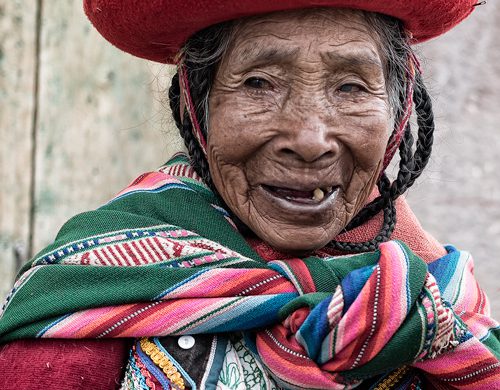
[{"x": 157, "y": 29}]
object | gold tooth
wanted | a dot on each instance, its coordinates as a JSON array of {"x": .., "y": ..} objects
[{"x": 318, "y": 194}]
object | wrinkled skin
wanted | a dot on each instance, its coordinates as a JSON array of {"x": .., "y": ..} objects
[{"x": 299, "y": 102}]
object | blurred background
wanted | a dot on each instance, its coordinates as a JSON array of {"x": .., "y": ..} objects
[{"x": 79, "y": 120}]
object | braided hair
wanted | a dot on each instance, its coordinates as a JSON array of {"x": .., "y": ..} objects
[
  {"x": 200, "y": 57},
  {"x": 203, "y": 52}
]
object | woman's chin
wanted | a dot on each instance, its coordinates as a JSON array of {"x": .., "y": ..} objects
[{"x": 298, "y": 243}]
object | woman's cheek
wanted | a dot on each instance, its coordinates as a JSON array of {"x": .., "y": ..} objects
[
  {"x": 370, "y": 144},
  {"x": 236, "y": 132}
]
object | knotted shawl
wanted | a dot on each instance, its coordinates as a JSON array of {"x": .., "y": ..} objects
[{"x": 163, "y": 258}]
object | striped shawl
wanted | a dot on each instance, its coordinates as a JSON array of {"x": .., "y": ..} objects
[{"x": 163, "y": 258}]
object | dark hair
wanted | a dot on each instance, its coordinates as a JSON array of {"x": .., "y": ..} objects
[{"x": 201, "y": 56}]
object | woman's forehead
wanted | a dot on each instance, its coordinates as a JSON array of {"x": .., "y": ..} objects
[{"x": 336, "y": 35}]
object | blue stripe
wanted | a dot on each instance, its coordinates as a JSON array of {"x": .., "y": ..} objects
[
  {"x": 444, "y": 268},
  {"x": 217, "y": 362},
  {"x": 176, "y": 286},
  {"x": 353, "y": 283},
  {"x": 245, "y": 314},
  {"x": 314, "y": 329},
  {"x": 42, "y": 332}
]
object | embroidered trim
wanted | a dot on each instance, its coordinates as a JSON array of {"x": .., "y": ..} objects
[
  {"x": 153, "y": 369},
  {"x": 175, "y": 363},
  {"x": 391, "y": 380},
  {"x": 150, "y": 385},
  {"x": 159, "y": 358}
]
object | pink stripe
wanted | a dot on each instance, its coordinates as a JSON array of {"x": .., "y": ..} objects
[
  {"x": 459, "y": 360},
  {"x": 285, "y": 365},
  {"x": 150, "y": 181},
  {"x": 168, "y": 319},
  {"x": 71, "y": 326},
  {"x": 387, "y": 279}
]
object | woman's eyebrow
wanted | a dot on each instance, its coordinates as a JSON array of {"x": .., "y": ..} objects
[
  {"x": 259, "y": 55},
  {"x": 265, "y": 54},
  {"x": 353, "y": 60}
]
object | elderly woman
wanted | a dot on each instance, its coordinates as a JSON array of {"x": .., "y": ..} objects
[{"x": 277, "y": 255}]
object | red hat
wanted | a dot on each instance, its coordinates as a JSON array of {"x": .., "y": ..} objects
[{"x": 157, "y": 29}]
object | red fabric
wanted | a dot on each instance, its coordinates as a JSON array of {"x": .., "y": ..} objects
[
  {"x": 63, "y": 364},
  {"x": 156, "y": 29}
]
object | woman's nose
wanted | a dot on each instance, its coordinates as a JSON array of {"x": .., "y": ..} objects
[{"x": 309, "y": 141}]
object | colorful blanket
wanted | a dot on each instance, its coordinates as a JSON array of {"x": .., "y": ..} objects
[{"x": 163, "y": 258}]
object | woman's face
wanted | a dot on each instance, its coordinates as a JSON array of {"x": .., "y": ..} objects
[{"x": 299, "y": 121}]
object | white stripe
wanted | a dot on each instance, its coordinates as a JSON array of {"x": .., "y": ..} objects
[{"x": 137, "y": 252}]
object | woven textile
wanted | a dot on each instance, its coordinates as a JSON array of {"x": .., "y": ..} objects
[{"x": 163, "y": 258}]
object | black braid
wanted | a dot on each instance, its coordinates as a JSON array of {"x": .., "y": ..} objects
[
  {"x": 198, "y": 160},
  {"x": 199, "y": 81},
  {"x": 385, "y": 231},
  {"x": 426, "y": 126}
]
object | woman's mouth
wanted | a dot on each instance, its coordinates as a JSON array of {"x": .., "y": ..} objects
[{"x": 307, "y": 197}]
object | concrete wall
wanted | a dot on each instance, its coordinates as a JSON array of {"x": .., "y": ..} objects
[{"x": 79, "y": 120}]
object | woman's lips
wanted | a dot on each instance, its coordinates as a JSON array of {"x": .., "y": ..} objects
[{"x": 299, "y": 196}]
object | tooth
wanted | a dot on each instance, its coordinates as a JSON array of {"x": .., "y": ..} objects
[
  {"x": 318, "y": 194},
  {"x": 329, "y": 189}
]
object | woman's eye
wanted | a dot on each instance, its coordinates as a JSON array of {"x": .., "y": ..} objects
[
  {"x": 257, "y": 83},
  {"x": 350, "y": 88}
]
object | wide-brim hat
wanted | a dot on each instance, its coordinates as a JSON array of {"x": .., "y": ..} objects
[{"x": 157, "y": 29}]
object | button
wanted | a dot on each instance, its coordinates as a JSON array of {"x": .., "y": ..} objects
[{"x": 186, "y": 342}]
